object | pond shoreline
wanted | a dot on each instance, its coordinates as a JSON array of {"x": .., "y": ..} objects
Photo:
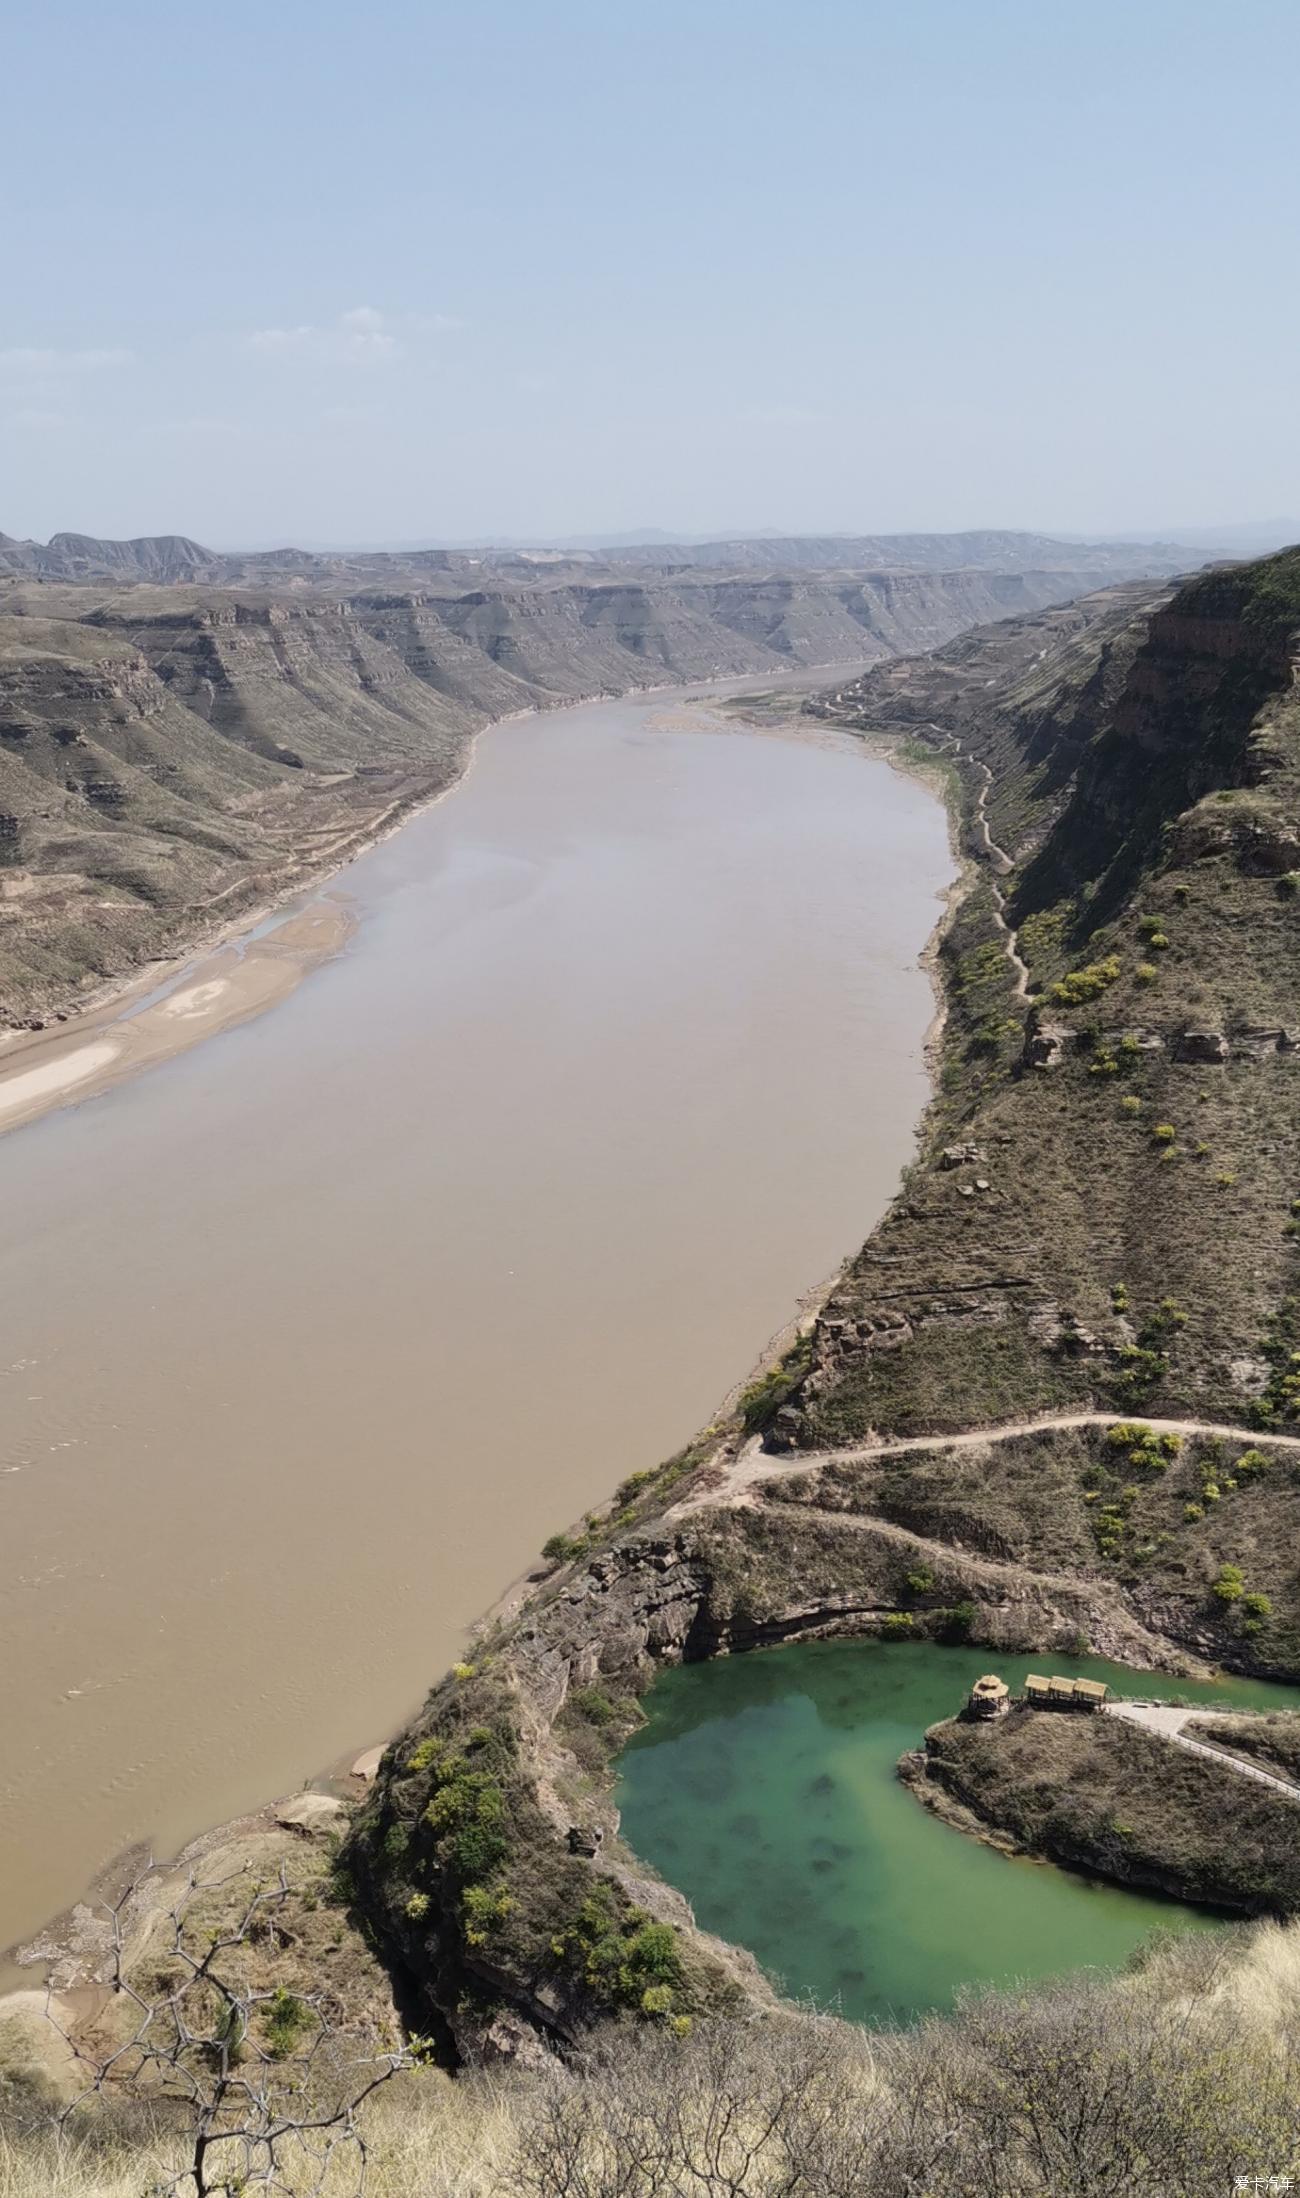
[{"x": 778, "y": 1793}]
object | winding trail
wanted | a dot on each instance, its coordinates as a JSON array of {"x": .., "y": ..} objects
[
  {"x": 995, "y": 1571},
  {"x": 753, "y": 1465},
  {"x": 1168, "y": 1721},
  {"x": 997, "y": 857},
  {"x": 999, "y": 861}
]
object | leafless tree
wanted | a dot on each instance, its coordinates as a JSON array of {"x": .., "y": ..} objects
[
  {"x": 1095, "y": 2088},
  {"x": 757, "y": 2109},
  {"x": 257, "y": 2083}
]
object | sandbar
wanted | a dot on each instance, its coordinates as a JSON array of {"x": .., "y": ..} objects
[{"x": 213, "y": 993}]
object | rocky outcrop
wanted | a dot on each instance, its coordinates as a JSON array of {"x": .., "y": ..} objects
[{"x": 1201, "y": 1045}]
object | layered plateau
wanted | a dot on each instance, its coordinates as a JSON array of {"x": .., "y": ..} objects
[{"x": 186, "y": 734}]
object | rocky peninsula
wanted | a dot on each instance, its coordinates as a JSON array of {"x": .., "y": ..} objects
[{"x": 1117, "y": 1799}]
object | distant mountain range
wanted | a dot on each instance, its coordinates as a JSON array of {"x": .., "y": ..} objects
[{"x": 172, "y": 559}]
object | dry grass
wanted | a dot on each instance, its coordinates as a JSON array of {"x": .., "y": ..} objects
[
  {"x": 431, "y": 2138},
  {"x": 1198, "y": 2043}
]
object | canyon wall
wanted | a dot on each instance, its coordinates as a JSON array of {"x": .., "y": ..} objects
[{"x": 171, "y": 754}]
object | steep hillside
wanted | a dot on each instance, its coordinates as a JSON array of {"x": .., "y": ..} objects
[
  {"x": 1122, "y": 1231},
  {"x": 172, "y": 753},
  {"x": 1054, "y": 1403}
]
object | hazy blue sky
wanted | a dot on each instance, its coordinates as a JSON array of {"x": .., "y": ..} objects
[{"x": 299, "y": 270}]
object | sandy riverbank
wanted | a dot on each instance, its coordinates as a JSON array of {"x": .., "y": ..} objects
[
  {"x": 59, "y": 1067},
  {"x": 235, "y": 976}
]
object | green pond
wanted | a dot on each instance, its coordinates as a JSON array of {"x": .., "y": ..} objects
[{"x": 764, "y": 1787}]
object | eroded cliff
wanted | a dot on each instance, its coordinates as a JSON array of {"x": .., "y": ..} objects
[{"x": 172, "y": 752}]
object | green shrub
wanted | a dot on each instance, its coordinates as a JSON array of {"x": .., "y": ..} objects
[
  {"x": 895, "y": 1623},
  {"x": 417, "y": 1907},
  {"x": 559, "y": 1549},
  {"x": 1151, "y": 1460},
  {"x": 1192, "y": 1512},
  {"x": 284, "y": 2021},
  {"x": 1229, "y": 1587},
  {"x": 1082, "y": 985},
  {"x": 484, "y": 1912},
  {"x": 1146, "y": 973},
  {"x": 594, "y": 1704},
  {"x": 1141, "y": 1369},
  {"x": 1130, "y": 1104},
  {"x": 760, "y": 1402},
  {"x": 1165, "y": 1321},
  {"x": 621, "y": 1953},
  {"x": 1250, "y": 1463},
  {"x": 1257, "y": 1605},
  {"x": 467, "y": 1813},
  {"x": 1164, "y": 1133}
]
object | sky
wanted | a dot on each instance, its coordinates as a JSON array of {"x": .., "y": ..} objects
[{"x": 343, "y": 275}]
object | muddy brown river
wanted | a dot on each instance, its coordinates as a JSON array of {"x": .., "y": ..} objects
[{"x": 310, "y": 1336}]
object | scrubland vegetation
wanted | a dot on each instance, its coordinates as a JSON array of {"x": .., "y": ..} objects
[
  {"x": 1272, "y": 1740},
  {"x": 1171, "y": 2080}
]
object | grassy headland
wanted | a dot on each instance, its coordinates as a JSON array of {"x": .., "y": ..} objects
[{"x": 1103, "y": 1795}]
